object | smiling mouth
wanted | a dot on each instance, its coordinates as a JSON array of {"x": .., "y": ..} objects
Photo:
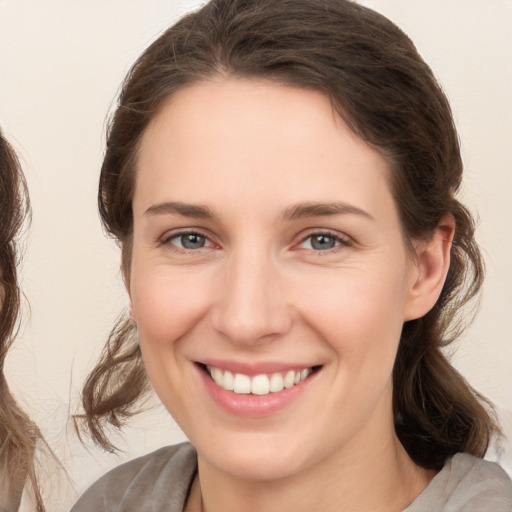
[{"x": 262, "y": 384}]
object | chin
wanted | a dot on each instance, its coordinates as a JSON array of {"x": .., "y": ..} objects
[{"x": 254, "y": 457}]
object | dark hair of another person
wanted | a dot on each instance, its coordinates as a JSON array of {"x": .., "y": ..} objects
[
  {"x": 19, "y": 435},
  {"x": 388, "y": 96}
]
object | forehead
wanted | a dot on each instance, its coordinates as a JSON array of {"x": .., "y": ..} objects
[{"x": 229, "y": 139}]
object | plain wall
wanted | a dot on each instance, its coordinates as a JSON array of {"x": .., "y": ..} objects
[{"x": 61, "y": 64}]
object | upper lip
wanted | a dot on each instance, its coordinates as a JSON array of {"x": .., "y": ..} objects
[{"x": 255, "y": 368}]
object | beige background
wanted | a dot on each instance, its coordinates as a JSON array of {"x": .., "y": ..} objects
[{"x": 61, "y": 63}]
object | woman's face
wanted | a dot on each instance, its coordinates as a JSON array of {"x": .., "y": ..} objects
[{"x": 267, "y": 251}]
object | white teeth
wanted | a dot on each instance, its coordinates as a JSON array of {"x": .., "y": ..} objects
[
  {"x": 276, "y": 383},
  {"x": 228, "y": 382},
  {"x": 217, "y": 376},
  {"x": 259, "y": 384},
  {"x": 289, "y": 379},
  {"x": 242, "y": 384}
]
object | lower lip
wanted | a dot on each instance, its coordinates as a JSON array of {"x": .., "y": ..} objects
[{"x": 253, "y": 406}]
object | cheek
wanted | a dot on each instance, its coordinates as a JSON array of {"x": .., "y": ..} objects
[
  {"x": 165, "y": 308},
  {"x": 354, "y": 299},
  {"x": 359, "y": 314}
]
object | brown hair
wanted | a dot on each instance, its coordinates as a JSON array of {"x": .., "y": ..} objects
[
  {"x": 19, "y": 435},
  {"x": 389, "y": 97}
]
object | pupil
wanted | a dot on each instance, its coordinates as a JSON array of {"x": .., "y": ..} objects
[
  {"x": 192, "y": 241},
  {"x": 322, "y": 242}
]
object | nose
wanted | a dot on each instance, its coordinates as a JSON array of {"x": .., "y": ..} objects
[{"x": 251, "y": 306}]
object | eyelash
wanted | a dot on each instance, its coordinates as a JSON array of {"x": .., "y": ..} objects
[
  {"x": 167, "y": 241},
  {"x": 341, "y": 241}
]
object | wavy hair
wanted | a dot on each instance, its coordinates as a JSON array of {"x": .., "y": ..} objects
[
  {"x": 19, "y": 435},
  {"x": 388, "y": 96}
]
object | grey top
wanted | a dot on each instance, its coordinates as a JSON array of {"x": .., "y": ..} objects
[
  {"x": 466, "y": 484},
  {"x": 160, "y": 482}
]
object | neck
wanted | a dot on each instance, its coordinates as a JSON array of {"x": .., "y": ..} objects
[{"x": 381, "y": 479}]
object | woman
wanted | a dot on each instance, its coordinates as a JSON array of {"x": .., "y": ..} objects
[
  {"x": 19, "y": 435},
  {"x": 281, "y": 177}
]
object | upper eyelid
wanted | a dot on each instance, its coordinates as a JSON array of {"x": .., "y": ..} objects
[
  {"x": 298, "y": 239},
  {"x": 173, "y": 233},
  {"x": 165, "y": 242},
  {"x": 176, "y": 233},
  {"x": 328, "y": 232}
]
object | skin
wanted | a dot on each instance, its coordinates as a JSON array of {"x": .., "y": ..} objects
[{"x": 258, "y": 292}]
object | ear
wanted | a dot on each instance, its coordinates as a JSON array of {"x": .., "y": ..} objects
[{"x": 429, "y": 269}]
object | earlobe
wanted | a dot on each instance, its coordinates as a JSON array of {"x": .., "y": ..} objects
[{"x": 432, "y": 262}]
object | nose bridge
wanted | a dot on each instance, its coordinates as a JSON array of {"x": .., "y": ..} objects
[{"x": 251, "y": 304}]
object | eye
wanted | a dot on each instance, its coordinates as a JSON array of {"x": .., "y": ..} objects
[
  {"x": 189, "y": 241},
  {"x": 323, "y": 242}
]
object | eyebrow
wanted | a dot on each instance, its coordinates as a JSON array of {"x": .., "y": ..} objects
[
  {"x": 314, "y": 209},
  {"x": 294, "y": 212},
  {"x": 185, "y": 209}
]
